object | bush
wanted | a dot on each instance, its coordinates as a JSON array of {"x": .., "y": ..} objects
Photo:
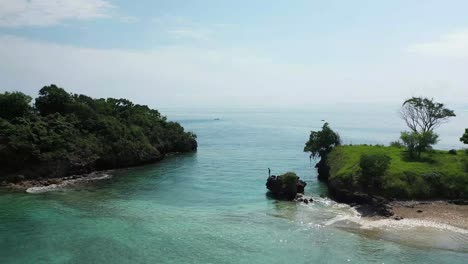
[
  {"x": 396, "y": 144},
  {"x": 452, "y": 152},
  {"x": 417, "y": 143},
  {"x": 373, "y": 167},
  {"x": 289, "y": 177},
  {"x": 465, "y": 165},
  {"x": 396, "y": 188}
]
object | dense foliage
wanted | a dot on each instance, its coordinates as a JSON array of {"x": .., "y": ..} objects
[
  {"x": 322, "y": 142},
  {"x": 464, "y": 138},
  {"x": 62, "y": 134},
  {"x": 437, "y": 175},
  {"x": 373, "y": 168},
  {"x": 417, "y": 143}
]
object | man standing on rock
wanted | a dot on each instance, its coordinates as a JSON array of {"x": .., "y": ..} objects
[{"x": 269, "y": 172}]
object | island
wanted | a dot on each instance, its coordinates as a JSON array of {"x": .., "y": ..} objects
[
  {"x": 408, "y": 173},
  {"x": 63, "y": 134}
]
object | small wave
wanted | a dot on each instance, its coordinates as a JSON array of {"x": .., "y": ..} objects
[
  {"x": 67, "y": 183},
  {"x": 408, "y": 223},
  {"x": 41, "y": 189}
]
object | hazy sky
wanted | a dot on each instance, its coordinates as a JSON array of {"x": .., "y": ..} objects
[{"x": 237, "y": 53}]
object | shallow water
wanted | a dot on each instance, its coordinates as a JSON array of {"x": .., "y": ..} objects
[{"x": 211, "y": 206}]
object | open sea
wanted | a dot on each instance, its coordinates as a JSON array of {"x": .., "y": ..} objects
[{"x": 211, "y": 206}]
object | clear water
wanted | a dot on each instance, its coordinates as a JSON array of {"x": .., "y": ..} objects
[{"x": 211, "y": 206}]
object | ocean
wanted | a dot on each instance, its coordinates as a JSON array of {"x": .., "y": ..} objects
[{"x": 211, "y": 206}]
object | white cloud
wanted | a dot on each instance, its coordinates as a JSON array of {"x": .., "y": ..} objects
[
  {"x": 449, "y": 45},
  {"x": 19, "y": 13},
  {"x": 182, "y": 76}
]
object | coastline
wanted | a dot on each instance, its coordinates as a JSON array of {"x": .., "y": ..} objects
[
  {"x": 440, "y": 211},
  {"x": 53, "y": 184}
]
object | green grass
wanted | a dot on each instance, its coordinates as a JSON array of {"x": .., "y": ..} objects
[{"x": 436, "y": 175}]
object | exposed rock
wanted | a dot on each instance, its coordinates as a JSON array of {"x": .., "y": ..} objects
[
  {"x": 366, "y": 204},
  {"x": 419, "y": 211},
  {"x": 398, "y": 218},
  {"x": 285, "y": 186},
  {"x": 459, "y": 202}
]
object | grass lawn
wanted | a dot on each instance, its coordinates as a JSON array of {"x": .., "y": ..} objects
[{"x": 436, "y": 175}]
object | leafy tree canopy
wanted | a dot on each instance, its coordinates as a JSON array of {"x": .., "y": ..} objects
[
  {"x": 322, "y": 142},
  {"x": 63, "y": 134},
  {"x": 15, "y": 104},
  {"x": 418, "y": 143},
  {"x": 423, "y": 114},
  {"x": 464, "y": 138}
]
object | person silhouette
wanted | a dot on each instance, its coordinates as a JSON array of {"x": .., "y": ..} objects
[{"x": 269, "y": 172}]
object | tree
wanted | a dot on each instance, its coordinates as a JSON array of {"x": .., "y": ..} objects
[
  {"x": 464, "y": 138},
  {"x": 52, "y": 99},
  {"x": 74, "y": 134},
  {"x": 15, "y": 104},
  {"x": 423, "y": 114},
  {"x": 417, "y": 143},
  {"x": 322, "y": 142}
]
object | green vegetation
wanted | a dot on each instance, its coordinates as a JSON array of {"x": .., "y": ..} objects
[
  {"x": 422, "y": 116},
  {"x": 464, "y": 138},
  {"x": 63, "y": 134},
  {"x": 373, "y": 168},
  {"x": 320, "y": 144},
  {"x": 437, "y": 174},
  {"x": 417, "y": 143}
]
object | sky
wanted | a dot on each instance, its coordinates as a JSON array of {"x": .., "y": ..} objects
[{"x": 244, "y": 53}]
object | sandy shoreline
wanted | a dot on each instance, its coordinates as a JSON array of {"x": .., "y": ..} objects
[{"x": 436, "y": 211}]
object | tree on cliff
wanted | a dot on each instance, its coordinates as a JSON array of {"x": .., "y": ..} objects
[
  {"x": 320, "y": 144},
  {"x": 422, "y": 116}
]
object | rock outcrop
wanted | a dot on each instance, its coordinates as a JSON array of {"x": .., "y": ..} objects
[
  {"x": 366, "y": 204},
  {"x": 285, "y": 186}
]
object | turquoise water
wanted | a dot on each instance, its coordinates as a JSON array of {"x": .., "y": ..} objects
[{"x": 211, "y": 206}]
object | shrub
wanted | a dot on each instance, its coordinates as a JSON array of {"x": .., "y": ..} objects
[
  {"x": 420, "y": 188},
  {"x": 373, "y": 167},
  {"x": 289, "y": 177},
  {"x": 396, "y": 144},
  {"x": 452, "y": 152},
  {"x": 396, "y": 188},
  {"x": 465, "y": 165},
  {"x": 418, "y": 143}
]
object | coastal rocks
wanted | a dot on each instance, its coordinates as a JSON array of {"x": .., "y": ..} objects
[
  {"x": 366, "y": 204},
  {"x": 303, "y": 199},
  {"x": 459, "y": 202},
  {"x": 285, "y": 186},
  {"x": 323, "y": 170},
  {"x": 52, "y": 184}
]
